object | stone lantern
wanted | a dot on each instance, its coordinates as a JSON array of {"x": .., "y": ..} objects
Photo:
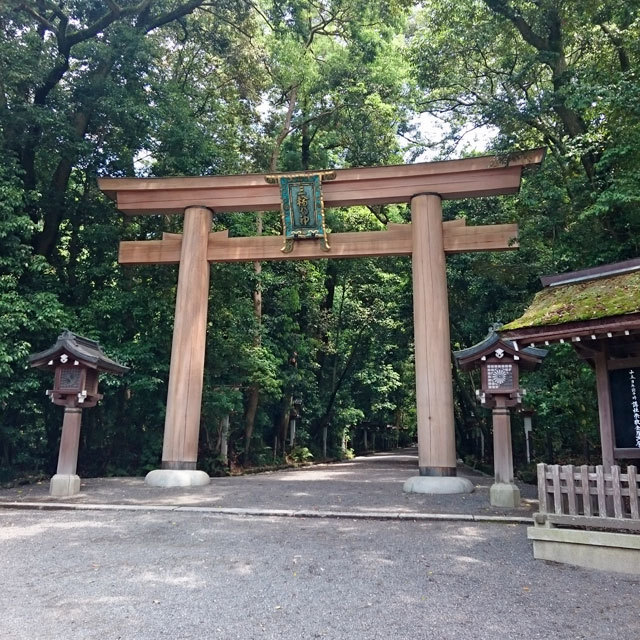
[
  {"x": 500, "y": 362},
  {"x": 75, "y": 363}
]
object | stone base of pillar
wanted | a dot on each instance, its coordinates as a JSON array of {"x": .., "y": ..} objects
[
  {"x": 176, "y": 478},
  {"x": 438, "y": 484},
  {"x": 504, "y": 494},
  {"x": 64, "y": 485}
]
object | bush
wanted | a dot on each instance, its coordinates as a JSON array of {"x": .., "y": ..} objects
[
  {"x": 300, "y": 454},
  {"x": 213, "y": 465},
  {"x": 528, "y": 473}
]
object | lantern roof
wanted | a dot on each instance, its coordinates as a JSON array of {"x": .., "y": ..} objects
[
  {"x": 86, "y": 351},
  {"x": 495, "y": 345}
]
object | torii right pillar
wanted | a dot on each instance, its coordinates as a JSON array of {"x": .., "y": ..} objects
[{"x": 434, "y": 385}]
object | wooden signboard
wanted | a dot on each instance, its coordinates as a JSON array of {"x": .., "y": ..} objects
[{"x": 625, "y": 403}]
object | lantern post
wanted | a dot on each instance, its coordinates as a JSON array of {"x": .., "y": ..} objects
[
  {"x": 500, "y": 363},
  {"x": 76, "y": 363}
]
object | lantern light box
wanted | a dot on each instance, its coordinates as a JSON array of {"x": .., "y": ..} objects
[{"x": 500, "y": 362}]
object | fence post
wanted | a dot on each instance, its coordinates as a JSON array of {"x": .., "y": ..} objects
[
  {"x": 571, "y": 489},
  {"x": 617, "y": 496},
  {"x": 586, "y": 489},
  {"x": 543, "y": 498},
  {"x": 633, "y": 491},
  {"x": 600, "y": 488},
  {"x": 557, "y": 491}
]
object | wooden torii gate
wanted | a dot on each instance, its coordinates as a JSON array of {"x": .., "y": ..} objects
[{"x": 427, "y": 239}]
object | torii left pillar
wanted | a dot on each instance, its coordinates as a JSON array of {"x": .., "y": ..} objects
[
  {"x": 184, "y": 398},
  {"x": 434, "y": 391}
]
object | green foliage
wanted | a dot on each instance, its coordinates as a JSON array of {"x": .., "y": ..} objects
[
  {"x": 300, "y": 454},
  {"x": 28, "y": 315},
  {"x": 566, "y": 419},
  {"x": 347, "y": 454}
]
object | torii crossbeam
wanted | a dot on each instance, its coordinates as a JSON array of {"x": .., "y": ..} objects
[{"x": 427, "y": 240}]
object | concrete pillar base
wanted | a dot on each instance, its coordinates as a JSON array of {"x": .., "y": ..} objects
[
  {"x": 502, "y": 494},
  {"x": 64, "y": 485},
  {"x": 438, "y": 484},
  {"x": 176, "y": 478}
]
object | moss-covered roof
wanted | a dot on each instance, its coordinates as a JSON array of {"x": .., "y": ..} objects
[{"x": 601, "y": 298}]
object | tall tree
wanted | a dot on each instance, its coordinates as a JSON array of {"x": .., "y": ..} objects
[
  {"x": 553, "y": 73},
  {"x": 75, "y": 51}
]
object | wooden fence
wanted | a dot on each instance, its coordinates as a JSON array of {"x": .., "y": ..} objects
[{"x": 587, "y": 496}]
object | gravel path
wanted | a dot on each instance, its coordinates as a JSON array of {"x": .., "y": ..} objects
[
  {"x": 366, "y": 484},
  {"x": 139, "y": 575}
]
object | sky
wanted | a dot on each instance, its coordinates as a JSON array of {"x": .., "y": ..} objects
[{"x": 434, "y": 129}]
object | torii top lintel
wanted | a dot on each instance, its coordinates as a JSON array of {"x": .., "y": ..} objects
[{"x": 452, "y": 179}]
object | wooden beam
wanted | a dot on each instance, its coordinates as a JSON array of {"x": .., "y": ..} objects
[
  {"x": 605, "y": 411},
  {"x": 623, "y": 454},
  {"x": 623, "y": 363},
  {"x": 470, "y": 177},
  {"x": 395, "y": 241},
  {"x": 343, "y": 245},
  {"x": 491, "y": 237}
]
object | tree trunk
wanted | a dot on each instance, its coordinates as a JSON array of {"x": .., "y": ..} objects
[
  {"x": 54, "y": 206},
  {"x": 549, "y": 42},
  {"x": 249, "y": 420},
  {"x": 224, "y": 440},
  {"x": 305, "y": 144},
  {"x": 284, "y": 418}
]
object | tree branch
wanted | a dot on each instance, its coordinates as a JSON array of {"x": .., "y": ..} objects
[
  {"x": 616, "y": 41},
  {"x": 338, "y": 383},
  {"x": 261, "y": 13},
  {"x": 502, "y": 8},
  {"x": 210, "y": 11},
  {"x": 40, "y": 19},
  {"x": 177, "y": 13},
  {"x": 286, "y": 129}
]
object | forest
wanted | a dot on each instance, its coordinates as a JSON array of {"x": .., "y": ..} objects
[{"x": 121, "y": 88}]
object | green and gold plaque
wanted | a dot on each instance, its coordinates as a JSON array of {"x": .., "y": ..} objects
[{"x": 302, "y": 207}]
